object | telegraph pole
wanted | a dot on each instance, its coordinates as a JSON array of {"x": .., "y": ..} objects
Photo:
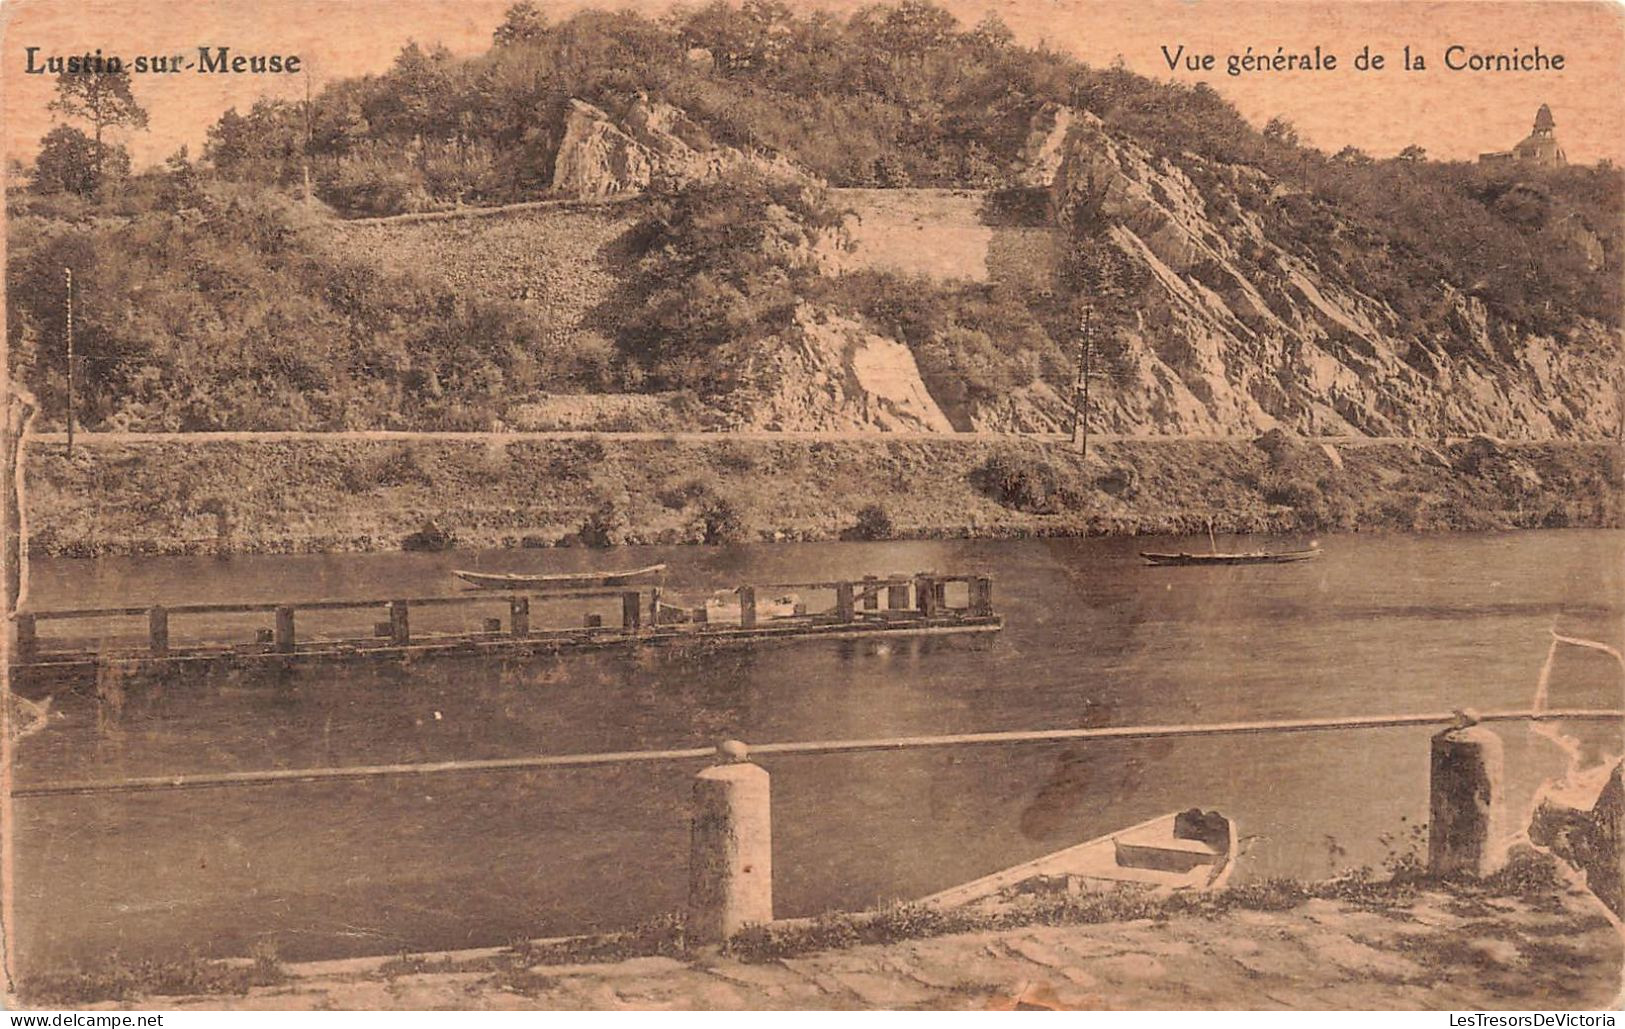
[
  {"x": 1080, "y": 388},
  {"x": 67, "y": 274}
]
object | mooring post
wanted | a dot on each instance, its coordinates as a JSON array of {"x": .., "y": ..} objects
[
  {"x": 283, "y": 639},
  {"x": 747, "y": 607},
  {"x": 400, "y": 626},
  {"x": 730, "y": 863},
  {"x": 519, "y": 616},
  {"x": 925, "y": 595},
  {"x": 631, "y": 611},
  {"x": 981, "y": 596},
  {"x": 897, "y": 596},
  {"x": 158, "y": 630},
  {"x": 1466, "y": 807},
  {"x": 845, "y": 610},
  {"x": 27, "y": 639},
  {"x": 871, "y": 593}
]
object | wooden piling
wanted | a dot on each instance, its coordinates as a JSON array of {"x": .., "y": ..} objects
[
  {"x": 897, "y": 598},
  {"x": 631, "y": 611},
  {"x": 519, "y": 617},
  {"x": 158, "y": 630},
  {"x": 27, "y": 639},
  {"x": 747, "y": 607},
  {"x": 845, "y": 610},
  {"x": 730, "y": 865},
  {"x": 283, "y": 638},
  {"x": 981, "y": 597},
  {"x": 925, "y": 595},
  {"x": 400, "y": 626},
  {"x": 871, "y": 593},
  {"x": 1466, "y": 806},
  {"x": 941, "y": 590}
]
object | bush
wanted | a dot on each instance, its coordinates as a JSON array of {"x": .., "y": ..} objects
[
  {"x": 724, "y": 522},
  {"x": 604, "y": 527},
  {"x": 874, "y": 523},
  {"x": 432, "y": 538},
  {"x": 1024, "y": 483}
]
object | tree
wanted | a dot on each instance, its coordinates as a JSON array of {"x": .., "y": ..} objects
[
  {"x": 991, "y": 33},
  {"x": 522, "y": 24},
  {"x": 71, "y": 162},
  {"x": 104, "y": 100},
  {"x": 1413, "y": 153},
  {"x": 1352, "y": 155},
  {"x": 1281, "y": 132}
]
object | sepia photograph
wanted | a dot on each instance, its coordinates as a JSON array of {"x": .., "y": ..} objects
[{"x": 808, "y": 505}]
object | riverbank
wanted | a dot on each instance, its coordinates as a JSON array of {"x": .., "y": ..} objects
[
  {"x": 1524, "y": 940},
  {"x": 173, "y": 495}
]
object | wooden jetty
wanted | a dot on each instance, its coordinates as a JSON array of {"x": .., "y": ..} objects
[{"x": 511, "y": 623}]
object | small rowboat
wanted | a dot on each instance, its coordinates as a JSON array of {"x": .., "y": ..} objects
[
  {"x": 1188, "y": 850},
  {"x": 1256, "y": 557},
  {"x": 501, "y": 581}
]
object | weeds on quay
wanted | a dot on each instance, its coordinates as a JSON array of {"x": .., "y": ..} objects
[{"x": 118, "y": 979}]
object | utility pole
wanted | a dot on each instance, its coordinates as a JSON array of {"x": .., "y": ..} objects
[
  {"x": 67, "y": 274},
  {"x": 1080, "y": 388}
]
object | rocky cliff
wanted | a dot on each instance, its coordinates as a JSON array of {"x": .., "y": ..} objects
[
  {"x": 1227, "y": 329},
  {"x": 652, "y": 145},
  {"x": 1223, "y": 323},
  {"x": 827, "y": 372}
]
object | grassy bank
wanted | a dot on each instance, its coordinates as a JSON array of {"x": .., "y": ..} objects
[{"x": 309, "y": 495}]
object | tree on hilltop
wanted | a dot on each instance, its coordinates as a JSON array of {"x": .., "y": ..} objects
[
  {"x": 523, "y": 23},
  {"x": 103, "y": 99}
]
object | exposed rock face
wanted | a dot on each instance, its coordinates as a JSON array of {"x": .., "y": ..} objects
[
  {"x": 652, "y": 146},
  {"x": 1233, "y": 332},
  {"x": 1574, "y": 233},
  {"x": 829, "y": 373},
  {"x": 1044, "y": 148}
]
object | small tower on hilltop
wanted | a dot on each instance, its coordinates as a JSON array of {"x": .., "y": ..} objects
[{"x": 1539, "y": 148}]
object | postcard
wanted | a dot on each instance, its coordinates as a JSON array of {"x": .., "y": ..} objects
[{"x": 736, "y": 505}]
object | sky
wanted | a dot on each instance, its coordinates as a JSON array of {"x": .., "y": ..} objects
[{"x": 1453, "y": 114}]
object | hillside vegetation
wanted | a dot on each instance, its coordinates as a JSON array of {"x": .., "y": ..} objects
[
  {"x": 1236, "y": 279},
  {"x": 338, "y": 494}
]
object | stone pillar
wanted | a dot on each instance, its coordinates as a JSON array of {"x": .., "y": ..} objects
[
  {"x": 631, "y": 611},
  {"x": 730, "y": 865},
  {"x": 283, "y": 639},
  {"x": 1466, "y": 816},
  {"x": 400, "y": 624},
  {"x": 158, "y": 630},
  {"x": 747, "y": 607},
  {"x": 519, "y": 616}
]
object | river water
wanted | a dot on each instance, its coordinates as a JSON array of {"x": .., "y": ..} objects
[{"x": 1382, "y": 624}]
